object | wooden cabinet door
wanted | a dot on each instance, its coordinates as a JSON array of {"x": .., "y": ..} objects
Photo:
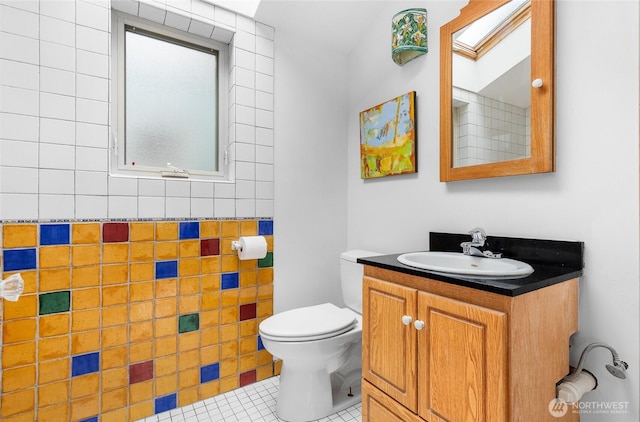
[
  {"x": 378, "y": 407},
  {"x": 389, "y": 346},
  {"x": 462, "y": 361}
]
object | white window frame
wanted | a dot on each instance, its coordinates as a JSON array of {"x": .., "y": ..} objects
[{"x": 117, "y": 165}]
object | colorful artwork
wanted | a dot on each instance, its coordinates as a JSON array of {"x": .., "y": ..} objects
[{"x": 388, "y": 138}]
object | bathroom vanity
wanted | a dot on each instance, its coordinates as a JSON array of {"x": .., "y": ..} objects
[{"x": 438, "y": 347}]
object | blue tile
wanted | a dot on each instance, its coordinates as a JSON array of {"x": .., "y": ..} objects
[
  {"x": 189, "y": 230},
  {"x": 19, "y": 259},
  {"x": 166, "y": 269},
  {"x": 54, "y": 234},
  {"x": 209, "y": 373},
  {"x": 92, "y": 419},
  {"x": 260, "y": 345},
  {"x": 230, "y": 281},
  {"x": 165, "y": 403},
  {"x": 265, "y": 227},
  {"x": 85, "y": 364}
]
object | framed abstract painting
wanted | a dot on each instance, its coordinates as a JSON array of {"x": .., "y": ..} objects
[{"x": 388, "y": 138}]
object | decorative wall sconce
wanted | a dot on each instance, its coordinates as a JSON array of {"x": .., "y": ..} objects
[{"x": 408, "y": 35}]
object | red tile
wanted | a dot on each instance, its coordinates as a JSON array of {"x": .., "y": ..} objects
[
  {"x": 209, "y": 247},
  {"x": 115, "y": 232},
  {"x": 139, "y": 372},
  {"x": 248, "y": 378},
  {"x": 247, "y": 311}
]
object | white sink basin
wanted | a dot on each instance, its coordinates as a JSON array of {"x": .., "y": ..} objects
[{"x": 458, "y": 263}]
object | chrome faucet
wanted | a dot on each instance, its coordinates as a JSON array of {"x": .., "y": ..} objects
[{"x": 478, "y": 237}]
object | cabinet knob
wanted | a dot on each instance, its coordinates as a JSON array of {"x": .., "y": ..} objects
[
  {"x": 406, "y": 319},
  {"x": 537, "y": 83},
  {"x": 419, "y": 325}
]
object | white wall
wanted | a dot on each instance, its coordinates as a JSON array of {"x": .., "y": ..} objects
[{"x": 592, "y": 197}]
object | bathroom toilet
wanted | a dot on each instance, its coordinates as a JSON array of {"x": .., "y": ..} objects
[{"x": 321, "y": 350}]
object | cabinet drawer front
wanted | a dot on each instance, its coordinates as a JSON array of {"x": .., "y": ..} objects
[
  {"x": 378, "y": 407},
  {"x": 389, "y": 357}
]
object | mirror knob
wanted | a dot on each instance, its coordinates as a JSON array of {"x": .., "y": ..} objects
[{"x": 537, "y": 83}]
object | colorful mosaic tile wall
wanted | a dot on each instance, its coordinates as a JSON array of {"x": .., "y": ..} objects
[{"x": 122, "y": 320}]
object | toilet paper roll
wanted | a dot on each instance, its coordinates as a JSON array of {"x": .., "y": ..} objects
[{"x": 252, "y": 247}]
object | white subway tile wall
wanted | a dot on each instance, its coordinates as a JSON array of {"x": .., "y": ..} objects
[{"x": 55, "y": 114}]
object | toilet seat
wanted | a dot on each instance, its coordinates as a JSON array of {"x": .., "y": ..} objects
[{"x": 308, "y": 323}]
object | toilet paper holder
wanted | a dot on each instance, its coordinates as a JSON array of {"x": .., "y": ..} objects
[{"x": 236, "y": 245}]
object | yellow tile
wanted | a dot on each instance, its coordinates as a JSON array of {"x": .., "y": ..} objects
[
  {"x": 83, "y": 233},
  {"x": 85, "y": 298},
  {"x": 140, "y": 232},
  {"x": 53, "y": 347},
  {"x": 114, "y": 399},
  {"x": 225, "y": 247},
  {"x": 115, "y": 274},
  {"x": 166, "y": 346},
  {"x": 211, "y": 283},
  {"x": 114, "y": 336},
  {"x": 142, "y": 271},
  {"x": 188, "y": 378},
  {"x": 113, "y": 358},
  {"x": 264, "y": 372},
  {"x": 247, "y": 362},
  {"x": 230, "y": 297},
  {"x": 84, "y": 408},
  {"x": 190, "y": 248},
  {"x": 115, "y": 378},
  {"x": 264, "y": 309},
  {"x": 209, "y": 336},
  {"x": 229, "y": 315},
  {"x": 264, "y": 358},
  {"x": 188, "y": 396},
  {"x": 115, "y": 295},
  {"x": 141, "y": 311},
  {"x": 18, "y": 402},
  {"x": 55, "y": 413},
  {"x": 85, "y": 320},
  {"x": 88, "y": 341},
  {"x": 53, "y": 370},
  {"x": 248, "y": 265},
  {"x": 19, "y": 235},
  {"x": 230, "y": 228},
  {"x": 229, "y": 350},
  {"x": 141, "y": 391},
  {"x": 141, "y": 352},
  {"x": 189, "y": 285},
  {"x": 248, "y": 295},
  {"x": 248, "y": 328},
  {"x": 248, "y": 228},
  {"x": 54, "y": 325},
  {"x": 166, "y": 385},
  {"x": 210, "y": 264},
  {"x": 19, "y": 331},
  {"x": 269, "y": 240},
  {"x": 166, "y": 307},
  {"x": 115, "y": 315},
  {"x": 229, "y": 332},
  {"x": 166, "y": 231},
  {"x": 85, "y": 276},
  {"x": 85, "y": 385},
  {"x": 188, "y": 341},
  {"x": 166, "y": 365},
  {"x": 138, "y": 411},
  {"x": 117, "y": 415},
  {"x": 209, "y": 229},
  {"x": 210, "y": 301},
  {"x": 85, "y": 255},
  {"x": 265, "y": 275},
  {"x": 228, "y": 384},
  {"x": 166, "y": 287},
  {"x": 248, "y": 278},
  {"x": 30, "y": 279},
  {"x": 54, "y": 256},
  {"x": 142, "y": 251},
  {"x": 188, "y": 267},
  {"x": 188, "y": 360},
  {"x": 141, "y": 331},
  {"x": 114, "y": 253},
  {"x": 18, "y": 378},
  {"x": 248, "y": 345},
  {"x": 166, "y": 250},
  {"x": 58, "y": 279},
  {"x": 265, "y": 292},
  {"x": 209, "y": 389},
  {"x": 229, "y": 263},
  {"x": 209, "y": 319},
  {"x": 141, "y": 291},
  {"x": 189, "y": 304},
  {"x": 166, "y": 326},
  {"x": 209, "y": 355},
  {"x": 228, "y": 367}
]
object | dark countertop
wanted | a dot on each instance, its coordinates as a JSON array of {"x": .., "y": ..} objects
[{"x": 552, "y": 261}]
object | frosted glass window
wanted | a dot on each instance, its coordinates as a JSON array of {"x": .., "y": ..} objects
[{"x": 171, "y": 103}]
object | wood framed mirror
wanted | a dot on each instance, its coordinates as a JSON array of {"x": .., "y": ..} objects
[{"x": 497, "y": 90}]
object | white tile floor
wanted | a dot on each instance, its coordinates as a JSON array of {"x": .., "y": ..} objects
[{"x": 253, "y": 403}]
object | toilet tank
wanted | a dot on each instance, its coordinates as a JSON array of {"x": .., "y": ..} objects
[{"x": 351, "y": 277}]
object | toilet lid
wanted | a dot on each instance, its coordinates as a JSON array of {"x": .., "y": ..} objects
[{"x": 309, "y": 323}]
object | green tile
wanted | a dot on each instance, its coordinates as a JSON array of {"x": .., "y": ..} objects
[
  {"x": 267, "y": 261},
  {"x": 187, "y": 323},
  {"x": 55, "y": 302}
]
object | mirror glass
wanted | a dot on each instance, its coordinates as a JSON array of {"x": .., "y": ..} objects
[{"x": 491, "y": 85}]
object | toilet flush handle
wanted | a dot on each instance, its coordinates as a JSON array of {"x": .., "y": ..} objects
[{"x": 406, "y": 319}]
